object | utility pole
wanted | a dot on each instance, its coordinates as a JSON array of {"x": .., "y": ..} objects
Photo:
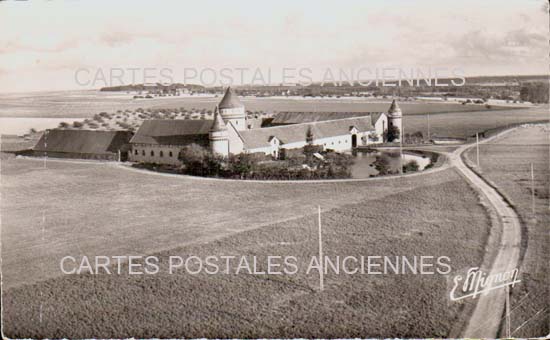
[
  {"x": 401, "y": 136},
  {"x": 477, "y": 148},
  {"x": 401, "y": 156},
  {"x": 321, "y": 261},
  {"x": 508, "y": 318},
  {"x": 429, "y": 127},
  {"x": 549, "y": 121},
  {"x": 532, "y": 189},
  {"x": 45, "y": 147}
]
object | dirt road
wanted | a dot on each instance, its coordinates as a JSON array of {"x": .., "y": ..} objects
[{"x": 486, "y": 318}]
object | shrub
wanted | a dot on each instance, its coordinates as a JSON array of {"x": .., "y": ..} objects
[
  {"x": 411, "y": 166},
  {"x": 392, "y": 133},
  {"x": 295, "y": 159},
  {"x": 382, "y": 164},
  {"x": 433, "y": 160},
  {"x": 414, "y": 138},
  {"x": 200, "y": 161},
  {"x": 242, "y": 165},
  {"x": 310, "y": 149},
  {"x": 339, "y": 160}
]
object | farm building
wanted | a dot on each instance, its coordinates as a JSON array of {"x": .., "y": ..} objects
[
  {"x": 160, "y": 141},
  {"x": 289, "y": 117},
  {"x": 338, "y": 135},
  {"x": 86, "y": 144}
]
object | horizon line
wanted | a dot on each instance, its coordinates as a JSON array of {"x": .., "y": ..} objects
[{"x": 279, "y": 84}]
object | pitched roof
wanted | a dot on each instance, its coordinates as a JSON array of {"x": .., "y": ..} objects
[
  {"x": 258, "y": 138},
  {"x": 307, "y": 117},
  {"x": 171, "y": 131},
  {"x": 230, "y": 100},
  {"x": 375, "y": 116},
  {"x": 218, "y": 124},
  {"x": 82, "y": 141}
]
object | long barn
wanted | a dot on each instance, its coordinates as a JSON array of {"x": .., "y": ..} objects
[{"x": 85, "y": 144}]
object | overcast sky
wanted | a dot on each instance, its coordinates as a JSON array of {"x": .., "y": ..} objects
[{"x": 43, "y": 44}]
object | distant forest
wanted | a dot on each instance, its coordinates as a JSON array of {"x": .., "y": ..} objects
[{"x": 534, "y": 92}]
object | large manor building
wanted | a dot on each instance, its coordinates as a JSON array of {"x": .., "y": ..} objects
[{"x": 160, "y": 141}]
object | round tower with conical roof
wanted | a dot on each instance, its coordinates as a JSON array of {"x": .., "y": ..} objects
[
  {"x": 395, "y": 118},
  {"x": 218, "y": 136},
  {"x": 232, "y": 110}
]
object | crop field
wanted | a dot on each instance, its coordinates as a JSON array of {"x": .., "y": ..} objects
[
  {"x": 445, "y": 119},
  {"x": 62, "y": 210},
  {"x": 506, "y": 163},
  {"x": 85, "y": 104},
  {"x": 447, "y": 124},
  {"x": 467, "y": 124}
]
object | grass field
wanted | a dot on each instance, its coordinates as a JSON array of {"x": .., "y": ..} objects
[
  {"x": 61, "y": 209},
  {"x": 506, "y": 163},
  {"x": 91, "y": 209}
]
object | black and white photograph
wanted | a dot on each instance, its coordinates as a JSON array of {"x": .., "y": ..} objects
[{"x": 275, "y": 169}]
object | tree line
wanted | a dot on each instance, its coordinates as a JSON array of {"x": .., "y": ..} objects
[{"x": 534, "y": 92}]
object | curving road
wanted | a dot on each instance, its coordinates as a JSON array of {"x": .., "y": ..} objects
[{"x": 486, "y": 318}]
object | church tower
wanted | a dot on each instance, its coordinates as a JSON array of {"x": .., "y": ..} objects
[
  {"x": 219, "y": 139},
  {"x": 232, "y": 110},
  {"x": 395, "y": 119}
]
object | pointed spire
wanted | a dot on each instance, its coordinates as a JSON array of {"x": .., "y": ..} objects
[
  {"x": 394, "y": 108},
  {"x": 230, "y": 100},
  {"x": 218, "y": 124}
]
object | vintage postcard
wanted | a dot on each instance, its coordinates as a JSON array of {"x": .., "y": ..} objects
[{"x": 275, "y": 169}]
